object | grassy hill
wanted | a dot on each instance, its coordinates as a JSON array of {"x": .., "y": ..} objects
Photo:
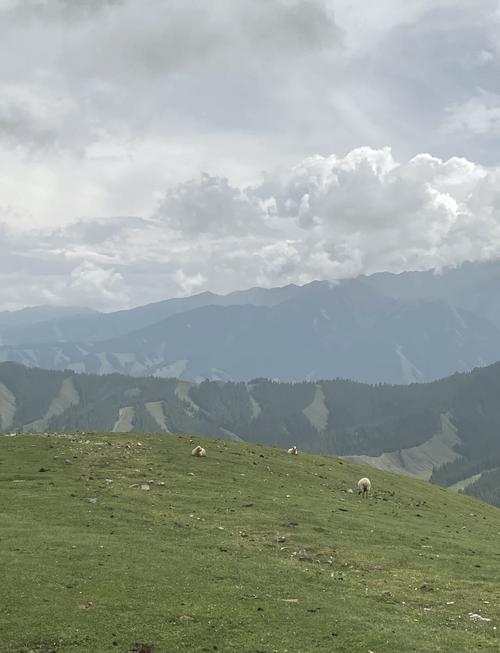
[
  {"x": 445, "y": 431},
  {"x": 112, "y": 542}
]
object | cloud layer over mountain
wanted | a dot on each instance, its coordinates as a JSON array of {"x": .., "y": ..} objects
[
  {"x": 327, "y": 217},
  {"x": 170, "y": 111}
]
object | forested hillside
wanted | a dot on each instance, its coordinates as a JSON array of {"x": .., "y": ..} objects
[{"x": 446, "y": 431}]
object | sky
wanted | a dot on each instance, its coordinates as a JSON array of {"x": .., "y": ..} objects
[{"x": 159, "y": 148}]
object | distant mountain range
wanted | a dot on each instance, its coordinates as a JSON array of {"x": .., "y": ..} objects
[
  {"x": 25, "y": 318},
  {"x": 446, "y": 431},
  {"x": 415, "y": 326}
]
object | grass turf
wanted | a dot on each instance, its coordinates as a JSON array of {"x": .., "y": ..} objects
[{"x": 247, "y": 550}]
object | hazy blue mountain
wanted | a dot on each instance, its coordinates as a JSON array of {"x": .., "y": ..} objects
[
  {"x": 399, "y": 328},
  {"x": 347, "y": 330},
  {"x": 27, "y": 317},
  {"x": 69, "y": 325},
  {"x": 328, "y": 331},
  {"x": 472, "y": 286},
  {"x": 446, "y": 431}
]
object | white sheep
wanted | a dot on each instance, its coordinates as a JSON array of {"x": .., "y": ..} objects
[
  {"x": 199, "y": 452},
  {"x": 364, "y": 486},
  {"x": 293, "y": 451}
]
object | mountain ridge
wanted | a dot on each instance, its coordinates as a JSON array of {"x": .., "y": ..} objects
[
  {"x": 100, "y": 326},
  {"x": 394, "y": 328},
  {"x": 310, "y": 332}
]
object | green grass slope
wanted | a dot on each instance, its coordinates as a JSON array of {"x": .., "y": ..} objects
[
  {"x": 248, "y": 550},
  {"x": 446, "y": 431}
]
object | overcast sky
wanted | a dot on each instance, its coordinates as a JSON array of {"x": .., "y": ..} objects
[{"x": 155, "y": 148}]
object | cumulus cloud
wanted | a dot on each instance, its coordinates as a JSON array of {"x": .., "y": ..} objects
[
  {"x": 327, "y": 217},
  {"x": 105, "y": 102},
  {"x": 116, "y": 108},
  {"x": 118, "y": 99},
  {"x": 96, "y": 286},
  {"x": 85, "y": 285},
  {"x": 208, "y": 205}
]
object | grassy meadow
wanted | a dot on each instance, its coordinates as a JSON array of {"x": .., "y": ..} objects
[{"x": 124, "y": 542}]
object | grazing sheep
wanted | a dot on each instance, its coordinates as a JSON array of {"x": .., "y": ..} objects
[
  {"x": 293, "y": 451},
  {"x": 364, "y": 486},
  {"x": 199, "y": 452}
]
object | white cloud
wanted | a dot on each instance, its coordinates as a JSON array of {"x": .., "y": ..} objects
[
  {"x": 327, "y": 217},
  {"x": 208, "y": 205},
  {"x": 104, "y": 104},
  {"x": 90, "y": 284},
  {"x": 86, "y": 285},
  {"x": 479, "y": 115}
]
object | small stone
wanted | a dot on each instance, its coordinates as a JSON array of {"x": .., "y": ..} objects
[
  {"x": 473, "y": 616},
  {"x": 186, "y": 617},
  {"x": 145, "y": 486}
]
